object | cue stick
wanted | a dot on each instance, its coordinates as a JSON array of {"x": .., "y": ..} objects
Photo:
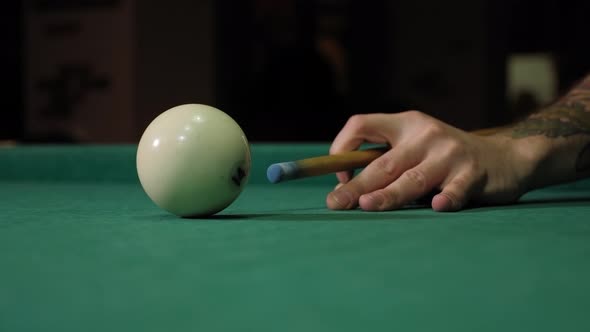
[
  {"x": 322, "y": 165},
  {"x": 346, "y": 161}
]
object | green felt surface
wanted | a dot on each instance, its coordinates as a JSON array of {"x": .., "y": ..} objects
[{"x": 90, "y": 252}]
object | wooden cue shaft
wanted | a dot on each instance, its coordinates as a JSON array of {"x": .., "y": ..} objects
[{"x": 338, "y": 162}]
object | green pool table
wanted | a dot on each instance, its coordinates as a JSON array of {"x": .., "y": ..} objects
[{"x": 82, "y": 248}]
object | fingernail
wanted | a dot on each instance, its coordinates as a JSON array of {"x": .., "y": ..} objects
[{"x": 342, "y": 198}]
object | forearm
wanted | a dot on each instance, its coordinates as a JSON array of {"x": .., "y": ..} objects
[{"x": 554, "y": 144}]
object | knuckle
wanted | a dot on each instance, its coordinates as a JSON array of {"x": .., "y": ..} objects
[
  {"x": 357, "y": 122},
  {"x": 455, "y": 148},
  {"x": 386, "y": 165},
  {"x": 414, "y": 114},
  {"x": 432, "y": 131},
  {"x": 417, "y": 177}
]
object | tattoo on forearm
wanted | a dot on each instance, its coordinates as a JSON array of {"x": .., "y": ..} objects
[
  {"x": 567, "y": 117},
  {"x": 559, "y": 120}
]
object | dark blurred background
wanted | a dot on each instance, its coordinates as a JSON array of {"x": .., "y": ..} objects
[{"x": 287, "y": 70}]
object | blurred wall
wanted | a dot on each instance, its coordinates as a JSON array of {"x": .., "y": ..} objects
[
  {"x": 174, "y": 60},
  {"x": 297, "y": 70},
  {"x": 286, "y": 70},
  {"x": 100, "y": 71},
  {"x": 450, "y": 60},
  {"x": 79, "y": 67},
  {"x": 11, "y": 65}
]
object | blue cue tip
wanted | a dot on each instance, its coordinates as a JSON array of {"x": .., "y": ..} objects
[{"x": 282, "y": 171}]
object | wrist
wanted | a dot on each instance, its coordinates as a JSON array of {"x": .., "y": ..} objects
[
  {"x": 529, "y": 155},
  {"x": 544, "y": 160},
  {"x": 519, "y": 161}
]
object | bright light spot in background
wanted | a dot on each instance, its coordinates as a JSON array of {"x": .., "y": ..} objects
[
  {"x": 156, "y": 143},
  {"x": 533, "y": 74}
]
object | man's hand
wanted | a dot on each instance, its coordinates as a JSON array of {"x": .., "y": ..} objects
[{"x": 426, "y": 155}]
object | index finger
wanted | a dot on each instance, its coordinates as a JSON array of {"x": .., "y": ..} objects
[{"x": 361, "y": 128}]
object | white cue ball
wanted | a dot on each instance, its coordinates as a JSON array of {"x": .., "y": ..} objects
[{"x": 193, "y": 160}]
